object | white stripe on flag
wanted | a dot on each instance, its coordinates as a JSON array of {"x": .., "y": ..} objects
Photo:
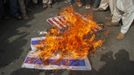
[
  {"x": 54, "y": 23},
  {"x": 60, "y": 22},
  {"x": 62, "y": 19},
  {"x": 57, "y": 21}
]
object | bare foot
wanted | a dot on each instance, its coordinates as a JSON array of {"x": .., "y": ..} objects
[
  {"x": 120, "y": 36},
  {"x": 112, "y": 23}
]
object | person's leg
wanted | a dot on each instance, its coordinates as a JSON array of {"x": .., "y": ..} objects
[
  {"x": 72, "y": 1},
  {"x": 112, "y": 5},
  {"x": 78, "y": 2},
  {"x": 47, "y": 3},
  {"x": 88, "y": 1},
  {"x": 44, "y": 3},
  {"x": 88, "y": 4},
  {"x": 1, "y": 8},
  {"x": 23, "y": 9},
  {"x": 96, "y": 3},
  {"x": 128, "y": 16},
  {"x": 67, "y": 1},
  {"x": 116, "y": 16},
  {"x": 116, "y": 13},
  {"x": 103, "y": 4},
  {"x": 127, "y": 20},
  {"x": 35, "y": 1},
  {"x": 22, "y": 6},
  {"x": 50, "y": 2},
  {"x": 13, "y": 7}
]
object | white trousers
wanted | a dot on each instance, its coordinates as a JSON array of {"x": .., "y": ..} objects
[
  {"x": 105, "y": 3},
  {"x": 47, "y": 1},
  {"x": 127, "y": 20},
  {"x": 124, "y": 11}
]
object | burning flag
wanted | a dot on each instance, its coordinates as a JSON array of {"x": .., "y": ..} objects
[
  {"x": 73, "y": 36},
  {"x": 66, "y": 45}
]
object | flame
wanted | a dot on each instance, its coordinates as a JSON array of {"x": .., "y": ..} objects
[{"x": 76, "y": 42}]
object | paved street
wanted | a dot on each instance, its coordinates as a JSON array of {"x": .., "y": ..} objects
[{"x": 114, "y": 58}]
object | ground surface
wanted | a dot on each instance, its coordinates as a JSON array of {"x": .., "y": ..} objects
[{"x": 114, "y": 58}]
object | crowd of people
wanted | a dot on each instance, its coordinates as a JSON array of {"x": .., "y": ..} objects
[
  {"x": 15, "y": 8},
  {"x": 87, "y": 3},
  {"x": 121, "y": 10},
  {"x": 19, "y": 8}
]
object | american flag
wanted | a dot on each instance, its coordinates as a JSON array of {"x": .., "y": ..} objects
[{"x": 58, "y": 21}]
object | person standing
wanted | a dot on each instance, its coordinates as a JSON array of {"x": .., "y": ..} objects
[
  {"x": 23, "y": 9},
  {"x": 124, "y": 11}
]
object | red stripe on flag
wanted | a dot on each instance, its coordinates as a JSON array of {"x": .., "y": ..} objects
[
  {"x": 51, "y": 22},
  {"x": 54, "y": 19},
  {"x": 62, "y": 21},
  {"x": 58, "y": 19},
  {"x": 63, "y": 18}
]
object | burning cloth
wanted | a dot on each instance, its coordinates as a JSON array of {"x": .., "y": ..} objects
[
  {"x": 67, "y": 44},
  {"x": 34, "y": 62}
]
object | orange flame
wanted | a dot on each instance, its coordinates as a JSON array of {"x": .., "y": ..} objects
[{"x": 76, "y": 42}]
